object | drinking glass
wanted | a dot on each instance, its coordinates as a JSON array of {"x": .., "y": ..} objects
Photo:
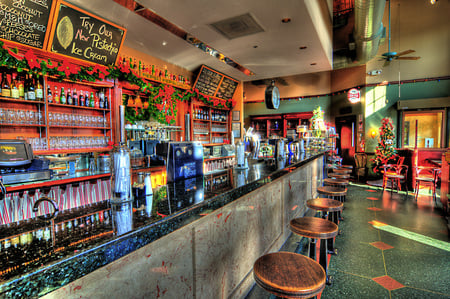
[
  {"x": 50, "y": 118},
  {"x": 21, "y": 116},
  {"x": 2, "y": 115}
]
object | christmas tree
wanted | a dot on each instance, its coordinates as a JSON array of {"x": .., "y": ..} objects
[{"x": 385, "y": 151}]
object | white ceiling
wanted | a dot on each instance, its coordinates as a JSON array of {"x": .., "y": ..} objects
[{"x": 277, "y": 52}]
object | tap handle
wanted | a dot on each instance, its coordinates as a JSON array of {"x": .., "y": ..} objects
[{"x": 55, "y": 207}]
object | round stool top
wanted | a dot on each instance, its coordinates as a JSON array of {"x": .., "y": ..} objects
[
  {"x": 347, "y": 166},
  {"x": 336, "y": 182},
  {"x": 342, "y": 170},
  {"x": 332, "y": 191},
  {"x": 339, "y": 175},
  {"x": 325, "y": 204},
  {"x": 313, "y": 227},
  {"x": 289, "y": 275},
  {"x": 395, "y": 176}
]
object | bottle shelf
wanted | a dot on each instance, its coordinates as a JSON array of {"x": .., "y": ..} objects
[
  {"x": 79, "y": 127},
  {"x": 78, "y": 107},
  {"x": 22, "y": 125},
  {"x": 219, "y": 122},
  {"x": 72, "y": 151},
  {"x": 20, "y": 100}
]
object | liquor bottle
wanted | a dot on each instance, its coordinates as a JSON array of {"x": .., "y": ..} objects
[
  {"x": 39, "y": 90},
  {"x": 101, "y": 102},
  {"x": 21, "y": 86},
  {"x": 105, "y": 103},
  {"x": 62, "y": 98},
  {"x": 81, "y": 99},
  {"x": 86, "y": 100},
  {"x": 69, "y": 97},
  {"x": 30, "y": 90},
  {"x": 56, "y": 96},
  {"x": 92, "y": 100},
  {"x": 6, "y": 89},
  {"x": 75, "y": 97},
  {"x": 49, "y": 94},
  {"x": 14, "y": 89}
]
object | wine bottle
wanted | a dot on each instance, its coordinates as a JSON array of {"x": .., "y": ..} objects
[
  {"x": 101, "y": 102},
  {"x": 21, "y": 86},
  {"x": 30, "y": 90},
  {"x": 69, "y": 97},
  {"x": 86, "y": 100},
  {"x": 62, "y": 98},
  {"x": 75, "y": 97},
  {"x": 39, "y": 90},
  {"x": 49, "y": 94},
  {"x": 56, "y": 96},
  {"x": 14, "y": 89},
  {"x": 6, "y": 89},
  {"x": 105, "y": 103},
  {"x": 91, "y": 100},
  {"x": 81, "y": 99}
]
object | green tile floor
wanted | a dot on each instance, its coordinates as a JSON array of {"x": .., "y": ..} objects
[{"x": 410, "y": 269}]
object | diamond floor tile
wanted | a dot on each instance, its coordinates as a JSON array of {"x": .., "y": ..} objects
[
  {"x": 381, "y": 245},
  {"x": 388, "y": 282}
]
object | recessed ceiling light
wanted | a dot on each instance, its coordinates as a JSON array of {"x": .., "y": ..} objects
[
  {"x": 286, "y": 20},
  {"x": 303, "y": 47},
  {"x": 313, "y": 63},
  {"x": 164, "y": 43},
  {"x": 255, "y": 46}
]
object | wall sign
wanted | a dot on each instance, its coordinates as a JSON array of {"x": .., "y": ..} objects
[
  {"x": 212, "y": 83},
  {"x": 354, "y": 96},
  {"x": 79, "y": 34},
  {"x": 25, "y": 21}
]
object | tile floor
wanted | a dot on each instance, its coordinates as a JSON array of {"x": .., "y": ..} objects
[{"x": 390, "y": 247}]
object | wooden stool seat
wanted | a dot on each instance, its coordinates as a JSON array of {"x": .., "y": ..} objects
[
  {"x": 289, "y": 275},
  {"x": 313, "y": 227},
  {"x": 347, "y": 166},
  {"x": 342, "y": 170},
  {"x": 336, "y": 182},
  {"x": 339, "y": 175},
  {"x": 332, "y": 191},
  {"x": 325, "y": 204}
]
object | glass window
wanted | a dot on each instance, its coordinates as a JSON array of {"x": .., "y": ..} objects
[{"x": 429, "y": 126}]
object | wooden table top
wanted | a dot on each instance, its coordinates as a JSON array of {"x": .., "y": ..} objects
[
  {"x": 325, "y": 204},
  {"x": 314, "y": 227},
  {"x": 332, "y": 191},
  {"x": 289, "y": 275},
  {"x": 339, "y": 175},
  {"x": 335, "y": 181}
]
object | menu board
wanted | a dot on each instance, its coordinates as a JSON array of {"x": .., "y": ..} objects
[
  {"x": 85, "y": 36},
  {"x": 213, "y": 83},
  {"x": 25, "y": 21}
]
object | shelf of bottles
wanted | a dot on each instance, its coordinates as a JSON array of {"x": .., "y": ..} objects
[
  {"x": 54, "y": 116},
  {"x": 209, "y": 125},
  {"x": 219, "y": 181}
]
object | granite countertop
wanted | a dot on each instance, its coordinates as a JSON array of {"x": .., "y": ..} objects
[{"x": 40, "y": 256}]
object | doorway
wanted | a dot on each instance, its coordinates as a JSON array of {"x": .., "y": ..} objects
[{"x": 346, "y": 143}]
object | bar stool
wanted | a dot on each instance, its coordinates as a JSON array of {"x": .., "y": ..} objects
[
  {"x": 336, "y": 182},
  {"x": 333, "y": 192},
  {"x": 316, "y": 228},
  {"x": 289, "y": 275},
  {"x": 342, "y": 170},
  {"x": 330, "y": 210}
]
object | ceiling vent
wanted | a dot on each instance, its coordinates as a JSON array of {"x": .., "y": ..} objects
[{"x": 238, "y": 26}]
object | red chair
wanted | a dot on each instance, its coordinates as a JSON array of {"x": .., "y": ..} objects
[
  {"x": 396, "y": 175},
  {"x": 426, "y": 176}
]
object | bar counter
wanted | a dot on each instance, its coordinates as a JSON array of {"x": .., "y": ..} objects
[{"x": 53, "y": 257}]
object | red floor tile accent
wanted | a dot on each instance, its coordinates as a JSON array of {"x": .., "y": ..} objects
[
  {"x": 370, "y": 190},
  {"x": 381, "y": 245},
  {"x": 375, "y": 209},
  {"x": 388, "y": 282},
  {"x": 373, "y": 198},
  {"x": 377, "y": 223}
]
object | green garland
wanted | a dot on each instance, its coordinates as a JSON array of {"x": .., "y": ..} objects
[{"x": 163, "y": 98}]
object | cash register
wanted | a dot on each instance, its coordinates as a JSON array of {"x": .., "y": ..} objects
[{"x": 17, "y": 164}]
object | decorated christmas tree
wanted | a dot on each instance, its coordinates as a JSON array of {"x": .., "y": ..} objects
[{"x": 385, "y": 152}]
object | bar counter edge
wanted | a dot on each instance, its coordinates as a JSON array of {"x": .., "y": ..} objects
[{"x": 204, "y": 251}]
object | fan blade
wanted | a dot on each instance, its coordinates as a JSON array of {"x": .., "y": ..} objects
[
  {"x": 408, "y": 58},
  {"x": 405, "y": 52},
  {"x": 386, "y": 63}
]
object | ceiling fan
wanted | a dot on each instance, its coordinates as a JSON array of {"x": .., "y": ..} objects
[{"x": 390, "y": 55}]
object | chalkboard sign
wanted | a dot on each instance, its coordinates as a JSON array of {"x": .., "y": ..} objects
[
  {"x": 82, "y": 35},
  {"x": 213, "y": 83},
  {"x": 25, "y": 21}
]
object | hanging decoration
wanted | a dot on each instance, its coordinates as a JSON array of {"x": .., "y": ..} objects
[
  {"x": 317, "y": 124},
  {"x": 385, "y": 152},
  {"x": 163, "y": 98}
]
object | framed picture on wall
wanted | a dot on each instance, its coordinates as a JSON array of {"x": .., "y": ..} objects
[
  {"x": 236, "y": 129},
  {"x": 236, "y": 115}
]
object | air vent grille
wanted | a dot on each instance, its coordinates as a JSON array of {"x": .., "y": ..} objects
[{"x": 238, "y": 26}]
